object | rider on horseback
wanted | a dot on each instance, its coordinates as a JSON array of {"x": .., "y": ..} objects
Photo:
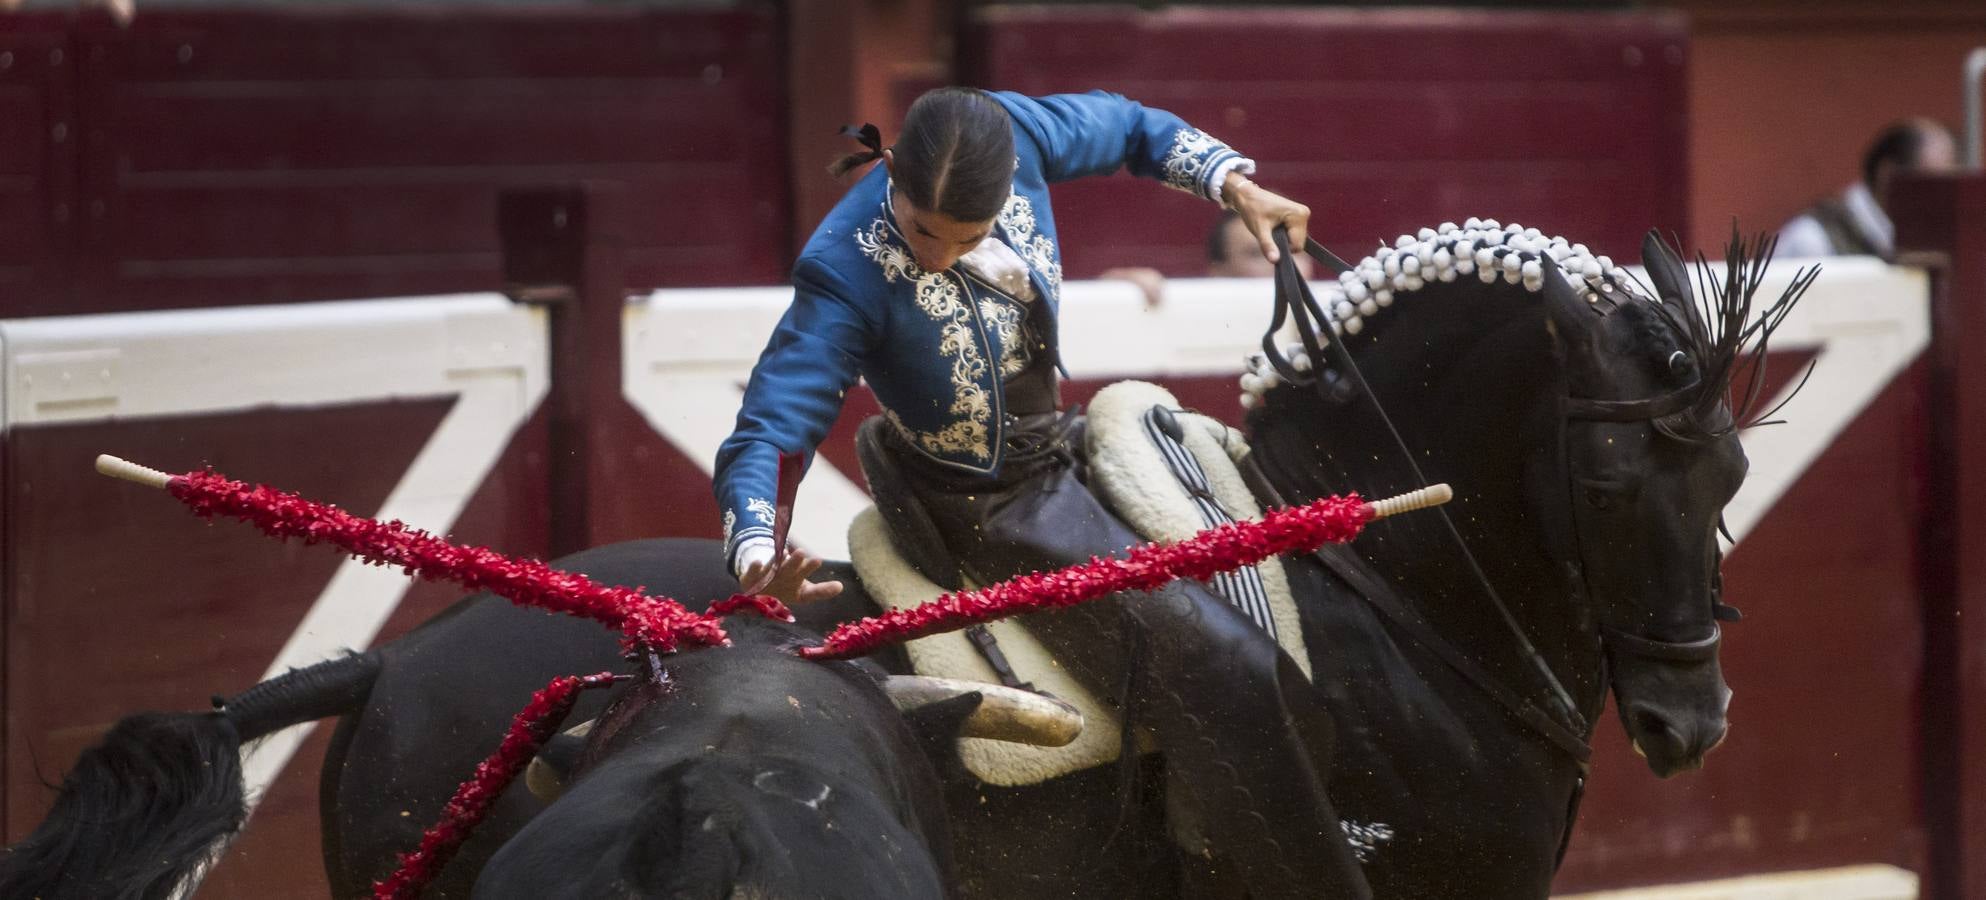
[{"x": 955, "y": 333}]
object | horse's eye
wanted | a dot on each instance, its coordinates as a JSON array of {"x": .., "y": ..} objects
[{"x": 1680, "y": 364}]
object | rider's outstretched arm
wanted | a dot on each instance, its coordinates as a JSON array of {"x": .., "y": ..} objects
[{"x": 796, "y": 391}]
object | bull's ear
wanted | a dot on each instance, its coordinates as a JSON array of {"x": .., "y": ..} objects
[
  {"x": 938, "y": 725},
  {"x": 551, "y": 769},
  {"x": 562, "y": 753},
  {"x": 1666, "y": 271}
]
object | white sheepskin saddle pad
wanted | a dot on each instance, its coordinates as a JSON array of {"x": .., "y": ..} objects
[{"x": 1132, "y": 470}]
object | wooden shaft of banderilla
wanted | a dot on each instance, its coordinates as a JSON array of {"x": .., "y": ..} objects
[
  {"x": 130, "y": 471},
  {"x": 1432, "y": 495}
]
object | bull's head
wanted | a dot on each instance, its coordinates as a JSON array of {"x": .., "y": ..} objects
[{"x": 943, "y": 707}]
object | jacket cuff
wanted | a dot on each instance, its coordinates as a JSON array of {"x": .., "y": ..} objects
[
  {"x": 1197, "y": 161},
  {"x": 749, "y": 550},
  {"x": 755, "y": 525},
  {"x": 1218, "y": 177}
]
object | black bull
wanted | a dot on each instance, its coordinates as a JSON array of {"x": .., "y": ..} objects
[{"x": 743, "y": 769}]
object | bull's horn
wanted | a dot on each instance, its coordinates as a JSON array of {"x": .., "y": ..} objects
[
  {"x": 545, "y": 782},
  {"x": 1004, "y": 714}
]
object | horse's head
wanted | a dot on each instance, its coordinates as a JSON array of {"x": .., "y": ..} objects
[
  {"x": 1588, "y": 431},
  {"x": 1652, "y": 456}
]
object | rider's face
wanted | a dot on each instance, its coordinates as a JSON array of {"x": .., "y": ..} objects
[{"x": 936, "y": 240}]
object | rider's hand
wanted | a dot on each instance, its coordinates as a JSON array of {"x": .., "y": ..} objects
[
  {"x": 788, "y": 579},
  {"x": 1262, "y": 210}
]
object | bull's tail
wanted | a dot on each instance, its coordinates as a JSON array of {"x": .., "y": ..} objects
[{"x": 158, "y": 797}]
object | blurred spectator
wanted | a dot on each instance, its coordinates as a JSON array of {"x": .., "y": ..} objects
[
  {"x": 1854, "y": 222},
  {"x": 1231, "y": 253},
  {"x": 1234, "y": 253}
]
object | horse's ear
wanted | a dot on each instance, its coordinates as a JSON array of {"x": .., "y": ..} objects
[
  {"x": 1666, "y": 270},
  {"x": 1570, "y": 313}
]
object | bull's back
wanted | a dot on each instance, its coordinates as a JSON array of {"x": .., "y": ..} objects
[
  {"x": 446, "y": 693},
  {"x": 746, "y": 772}
]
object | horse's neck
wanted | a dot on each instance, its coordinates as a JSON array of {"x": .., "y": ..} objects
[{"x": 1484, "y": 419}]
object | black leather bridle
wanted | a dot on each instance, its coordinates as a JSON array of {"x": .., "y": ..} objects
[
  {"x": 1617, "y": 639},
  {"x": 1297, "y": 305}
]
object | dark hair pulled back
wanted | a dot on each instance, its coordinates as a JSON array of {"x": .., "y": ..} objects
[
  {"x": 954, "y": 157},
  {"x": 1901, "y": 144}
]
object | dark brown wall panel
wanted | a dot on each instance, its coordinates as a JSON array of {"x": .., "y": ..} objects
[
  {"x": 1382, "y": 122},
  {"x": 257, "y": 156},
  {"x": 37, "y": 158}
]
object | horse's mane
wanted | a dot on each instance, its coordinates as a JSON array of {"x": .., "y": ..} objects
[
  {"x": 1482, "y": 248},
  {"x": 1719, "y": 332}
]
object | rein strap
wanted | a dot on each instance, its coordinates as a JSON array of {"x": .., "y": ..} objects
[
  {"x": 1358, "y": 575},
  {"x": 1645, "y": 409},
  {"x": 1293, "y": 297}
]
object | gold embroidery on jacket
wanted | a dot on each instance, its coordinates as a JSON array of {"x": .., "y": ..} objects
[
  {"x": 939, "y": 296},
  {"x": 1004, "y": 319},
  {"x": 1017, "y": 217}
]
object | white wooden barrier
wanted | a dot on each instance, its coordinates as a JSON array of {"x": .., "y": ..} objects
[
  {"x": 487, "y": 352},
  {"x": 689, "y": 352}
]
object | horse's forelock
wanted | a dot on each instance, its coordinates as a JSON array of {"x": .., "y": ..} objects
[{"x": 1726, "y": 338}]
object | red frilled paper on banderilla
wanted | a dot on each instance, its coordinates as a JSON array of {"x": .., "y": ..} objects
[
  {"x": 644, "y": 620},
  {"x": 662, "y": 624},
  {"x": 1296, "y": 529},
  {"x": 529, "y": 730}
]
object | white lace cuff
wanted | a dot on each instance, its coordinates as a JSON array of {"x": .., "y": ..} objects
[
  {"x": 1241, "y": 164},
  {"x": 750, "y": 550}
]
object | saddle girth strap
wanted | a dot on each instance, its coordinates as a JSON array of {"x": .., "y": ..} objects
[{"x": 989, "y": 649}]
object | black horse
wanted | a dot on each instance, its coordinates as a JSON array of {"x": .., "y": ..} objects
[
  {"x": 1590, "y": 430},
  {"x": 1587, "y": 428}
]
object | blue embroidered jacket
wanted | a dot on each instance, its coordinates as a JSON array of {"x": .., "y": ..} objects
[{"x": 934, "y": 346}]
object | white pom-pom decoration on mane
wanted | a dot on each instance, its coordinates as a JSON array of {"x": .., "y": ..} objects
[{"x": 1482, "y": 247}]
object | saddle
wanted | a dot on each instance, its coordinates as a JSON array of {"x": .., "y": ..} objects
[{"x": 1167, "y": 473}]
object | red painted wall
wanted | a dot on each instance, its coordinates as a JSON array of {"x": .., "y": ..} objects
[
  {"x": 1941, "y": 225},
  {"x": 36, "y": 94},
  {"x": 1383, "y": 122},
  {"x": 1785, "y": 96},
  {"x": 221, "y": 156}
]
